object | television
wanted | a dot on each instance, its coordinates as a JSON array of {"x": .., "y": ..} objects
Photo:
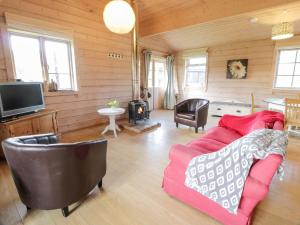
[{"x": 20, "y": 98}]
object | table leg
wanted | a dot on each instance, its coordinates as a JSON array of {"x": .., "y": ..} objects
[
  {"x": 112, "y": 124},
  {"x": 105, "y": 130}
]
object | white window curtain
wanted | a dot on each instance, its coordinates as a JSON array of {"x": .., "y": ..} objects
[
  {"x": 147, "y": 60},
  {"x": 194, "y": 53},
  {"x": 169, "y": 100}
]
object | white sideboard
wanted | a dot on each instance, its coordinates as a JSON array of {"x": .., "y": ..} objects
[
  {"x": 276, "y": 104},
  {"x": 218, "y": 108}
]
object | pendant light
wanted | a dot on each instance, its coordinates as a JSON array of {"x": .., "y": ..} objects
[
  {"x": 282, "y": 31},
  {"x": 119, "y": 16}
]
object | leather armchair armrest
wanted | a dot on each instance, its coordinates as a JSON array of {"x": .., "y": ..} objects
[
  {"x": 254, "y": 192},
  {"x": 201, "y": 113},
  {"x": 254, "y": 189}
]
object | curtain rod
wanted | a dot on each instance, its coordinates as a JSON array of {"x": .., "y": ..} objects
[{"x": 155, "y": 52}]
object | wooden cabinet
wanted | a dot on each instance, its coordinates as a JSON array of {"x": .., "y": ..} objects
[{"x": 37, "y": 123}]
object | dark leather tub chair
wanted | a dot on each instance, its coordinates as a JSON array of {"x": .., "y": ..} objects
[
  {"x": 192, "y": 112},
  {"x": 49, "y": 175}
]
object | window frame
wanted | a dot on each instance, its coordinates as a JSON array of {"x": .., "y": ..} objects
[
  {"x": 194, "y": 85},
  {"x": 156, "y": 59},
  {"x": 45, "y": 73},
  {"x": 152, "y": 69},
  {"x": 278, "y": 50}
]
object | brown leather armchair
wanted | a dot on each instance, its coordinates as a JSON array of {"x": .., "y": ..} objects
[
  {"x": 49, "y": 175},
  {"x": 192, "y": 112}
]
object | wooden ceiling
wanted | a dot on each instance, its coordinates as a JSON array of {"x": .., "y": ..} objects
[
  {"x": 157, "y": 16},
  {"x": 151, "y": 8},
  {"x": 232, "y": 29}
]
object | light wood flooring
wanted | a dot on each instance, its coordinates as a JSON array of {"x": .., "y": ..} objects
[{"x": 132, "y": 193}]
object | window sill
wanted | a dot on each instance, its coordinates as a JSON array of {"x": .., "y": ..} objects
[
  {"x": 274, "y": 90},
  {"x": 61, "y": 93},
  {"x": 194, "y": 86}
]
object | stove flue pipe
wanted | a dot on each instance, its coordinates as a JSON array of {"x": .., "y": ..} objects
[{"x": 135, "y": 56}]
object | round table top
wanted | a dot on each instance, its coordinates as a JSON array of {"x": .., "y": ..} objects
[{"x": 111, "y": 111}]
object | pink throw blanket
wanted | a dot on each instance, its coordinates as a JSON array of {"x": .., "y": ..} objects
[{"x": 246, "y": 124}]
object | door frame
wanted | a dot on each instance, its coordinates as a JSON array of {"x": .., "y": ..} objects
[{"x": 153, "y": 61}]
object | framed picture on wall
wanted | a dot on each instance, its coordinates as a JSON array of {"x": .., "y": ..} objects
[{"x": 237, "y": 69}]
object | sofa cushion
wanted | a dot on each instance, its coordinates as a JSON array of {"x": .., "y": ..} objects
[
  {"x": 215, "y": 139},
  {"x": 206, "y": 145},
  {"x": 186, "y": 115},
  {"x": 182, "y": 154},
  {"x": 222, "y": 134}
]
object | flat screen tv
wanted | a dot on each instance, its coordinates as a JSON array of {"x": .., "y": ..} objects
[{"x": 20, "y": 98}]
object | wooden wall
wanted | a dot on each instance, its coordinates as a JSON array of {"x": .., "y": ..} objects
[
  {"x": 158, "y": 45},
  {"x": 3, "y": 75},
  {"x": 100, "y": 78},
  {"x": 261, "y": 55}
]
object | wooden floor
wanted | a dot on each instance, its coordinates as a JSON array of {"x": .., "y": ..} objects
[{"x": 132, "y": 192}]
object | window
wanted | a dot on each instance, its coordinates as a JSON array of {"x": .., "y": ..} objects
[
  {"x": 159, "y": 71},
  {"x": 195, "y": 71},
  {"x": 150, "y": 75},
  {"x": 156, "y": 74},
  {"x": 43, "y": 59},
  {"x": 156, "y": 82},
  {"x": 288, "y": 69}
]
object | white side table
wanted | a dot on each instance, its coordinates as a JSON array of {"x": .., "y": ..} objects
[{"x": 111, "y": 113}]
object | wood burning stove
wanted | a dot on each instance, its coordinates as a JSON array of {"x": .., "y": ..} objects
[{"x": 138, "y": 110}]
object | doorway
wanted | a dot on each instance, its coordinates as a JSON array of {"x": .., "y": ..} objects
[{"x": 156, "y": 83}]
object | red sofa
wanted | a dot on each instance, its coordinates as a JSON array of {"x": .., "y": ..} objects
[{"x": 257, "y": 184}]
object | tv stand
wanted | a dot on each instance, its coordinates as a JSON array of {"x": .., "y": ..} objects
[
  {"x": 11, "y": 118},
  {"x": 41, "y": 122}
]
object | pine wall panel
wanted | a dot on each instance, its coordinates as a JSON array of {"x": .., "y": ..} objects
[
  {"x": 100, "y": 78},
  {"x": 261, "y": 55}
]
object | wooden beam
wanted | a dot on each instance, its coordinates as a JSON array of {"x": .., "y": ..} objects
[{"x": 199, "y": 11}]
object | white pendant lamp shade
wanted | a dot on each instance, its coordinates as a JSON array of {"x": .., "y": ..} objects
[
  {"x": 119, "y": 17},
  {"x": 282, "y": 31}
]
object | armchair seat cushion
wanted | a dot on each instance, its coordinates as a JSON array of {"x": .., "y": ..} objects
[{"x": 187, "y": 115}]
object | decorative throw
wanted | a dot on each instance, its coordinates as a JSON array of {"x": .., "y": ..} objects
[
  {"x": 221, "y": 175},
  {"x": 254, "y": 121}
]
